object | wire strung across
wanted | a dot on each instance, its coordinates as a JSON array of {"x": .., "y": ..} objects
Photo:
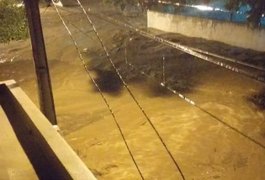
[
  {"x": 200, "y": 54},
  {"x": 191, "y": 102},
  {"x": 101, "y": 93},
  {"x": 129, "y": 91},
  {"x": 192, "y": 51}
]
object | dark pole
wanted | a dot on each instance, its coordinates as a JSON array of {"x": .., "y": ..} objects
[{"x": 40, "y": 60}]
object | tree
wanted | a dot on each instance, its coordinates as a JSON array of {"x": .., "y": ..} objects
[{"x": 13, "y": 21}]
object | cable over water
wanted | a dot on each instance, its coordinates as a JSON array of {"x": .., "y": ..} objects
[
  {"x": 128, "y": 89},
  {"x": 201, "y": 55},
  {"x": 190, "y": 101},
  {"x": 99, "y": 90},
  {"x": 258, "y": 68}
]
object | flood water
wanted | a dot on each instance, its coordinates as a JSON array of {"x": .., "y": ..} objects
[{"x": 198, "y": 137}]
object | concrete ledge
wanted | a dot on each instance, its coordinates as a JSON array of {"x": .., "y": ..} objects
[
  {"x": 47, "y": 155},
  {"x": 226, "y": 32}
]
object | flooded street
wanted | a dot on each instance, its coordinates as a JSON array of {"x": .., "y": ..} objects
[{"x": 199, "y": 137}]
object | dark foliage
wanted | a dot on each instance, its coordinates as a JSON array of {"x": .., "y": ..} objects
[{"x": 13, "y": 21}]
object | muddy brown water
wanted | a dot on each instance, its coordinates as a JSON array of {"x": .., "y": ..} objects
[{"x": 203, "y": 147}]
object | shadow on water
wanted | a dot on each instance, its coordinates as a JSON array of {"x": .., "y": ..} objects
[
  {"x": 181, "y": 73},
  {"x": 258, "y": 99},
  {"x": 108, "y": 81}
]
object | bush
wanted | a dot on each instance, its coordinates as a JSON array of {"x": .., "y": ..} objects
[{"x": 13, "y": 23}]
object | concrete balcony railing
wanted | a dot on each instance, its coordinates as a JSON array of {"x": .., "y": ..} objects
[{"x": 30, "y": 147}]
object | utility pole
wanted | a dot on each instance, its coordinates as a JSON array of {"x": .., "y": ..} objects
[{"x": 40, "y": 60}]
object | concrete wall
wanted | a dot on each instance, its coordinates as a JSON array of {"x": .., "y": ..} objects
[{"x": 226, "y": 32}]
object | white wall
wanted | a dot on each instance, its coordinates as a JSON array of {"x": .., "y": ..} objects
[{"x": 226, "y": 32}]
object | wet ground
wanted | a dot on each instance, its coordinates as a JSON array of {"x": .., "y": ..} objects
[{"x": 199, "y": 137}]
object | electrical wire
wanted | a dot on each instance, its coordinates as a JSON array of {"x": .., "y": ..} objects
[
  {"x": 230, "y": 59},
  {"x": 128, "y": 89},
  {"x": 203, "y": 51},
  {"x": 191, "y": 102},
  {"x": 101, "y": 93},
  {"x": 46, "y": 8},
  {"x": 189, "y": 50},
  {"x": 162, "y": 84},
  {"x": 192, "y": 51},
  {"x": 81, "y": 31}
]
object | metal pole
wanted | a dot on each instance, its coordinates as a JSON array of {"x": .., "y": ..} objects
[
  {"x": 163, "y": 71},
  {"x": 40, "y": 60},
  {"x": 125, "y": 52}
]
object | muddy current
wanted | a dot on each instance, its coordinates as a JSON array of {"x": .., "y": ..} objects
[{"x": 221, "y": 135}]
